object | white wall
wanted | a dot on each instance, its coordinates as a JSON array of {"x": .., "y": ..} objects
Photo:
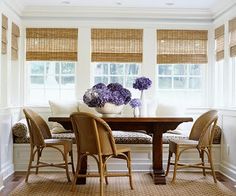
[
  {"x": 9, "y": 86},
  {"x": 84, "y": 70},
  {"x": 228, "y": 146}
]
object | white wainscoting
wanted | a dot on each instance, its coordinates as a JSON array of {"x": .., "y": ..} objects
[
  {"x": 141, "y": 158},
  {"x": 228, "y": 143}
]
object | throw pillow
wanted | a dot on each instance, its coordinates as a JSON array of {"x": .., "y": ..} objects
[
  {"x": 58, "y": 128},
  {"x": 65, "y": 108}
]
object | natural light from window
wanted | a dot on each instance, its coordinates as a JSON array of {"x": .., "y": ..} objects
[
  {"x": 180, "y": 83},
  {"x": 50, "y": 80},
  {"x": 123, "y": 73}
]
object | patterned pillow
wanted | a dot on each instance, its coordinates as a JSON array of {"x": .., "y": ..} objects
[{"x": 20, "y": 129}]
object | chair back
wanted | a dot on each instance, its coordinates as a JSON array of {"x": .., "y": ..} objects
[
  {"x": 38, "y": 128},
  {"x": 203, "y": 129},
  {"x": 93, "y": 135}
]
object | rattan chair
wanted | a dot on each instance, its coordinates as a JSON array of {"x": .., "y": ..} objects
[
  {"x": 200, "y": 138},
  {"x": 94, "y": 138},
  {"x": 41, "y": 138}
]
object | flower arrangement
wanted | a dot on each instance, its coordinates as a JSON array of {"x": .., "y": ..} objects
[
  {"x": 142, "y": 83},
  {"x": 135, "y": 103},
  {"x": 100, "y": 94}
]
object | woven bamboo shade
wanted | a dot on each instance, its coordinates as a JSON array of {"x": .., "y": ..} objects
[
  {"x": 51, "y": 44},
  {"x": 219, "y": 38},
  {"x": 232, "y": 30},
  {"x": 14, "y": 41},
  {"x": 181, "y": 46},
  {"x": 4, "y": 34},
  {"x": 117, "y": 45}
]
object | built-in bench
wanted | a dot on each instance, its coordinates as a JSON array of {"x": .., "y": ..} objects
[{"x": 139, "y": 142}]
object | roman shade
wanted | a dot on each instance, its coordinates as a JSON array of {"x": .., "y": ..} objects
[
  {"x": 219, "y": 39},
  {"x": 232, "y": 31},
  {"x": 51, "y": 44},
  {"x": 117, "y": 45},
  {"x": 14, "y": 41},
  {"x": 181, "y": 46},
  {"x": 4, "y": 34}
]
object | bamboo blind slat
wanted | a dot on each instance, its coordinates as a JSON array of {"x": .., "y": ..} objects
[
  {"x": 117, "y": 45},
  {"x": 232, "y": 31},
  {"x": 15, "y": 30},
  {"x": 51, "y": 44},
  {"x": 181, "y": 46},
  {"x": 219, "y": 39},
  {"x": 4, "y": 22},
  {"x": 14, "y": 41},
  {"x": 4, "y": 34}
]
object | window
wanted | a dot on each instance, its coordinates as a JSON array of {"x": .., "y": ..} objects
[
  {"x": 51, "y": 55},
  {"x": 117, "y": 55},
  {"x": 51, "y": 80},
  {"x": 232, "y": 47},
  {"x": 123, "y": 73},
  {"x": 181, "y": 62},
  {"x": 180, "y": 76},
  {"x": 219, "y": 66}
]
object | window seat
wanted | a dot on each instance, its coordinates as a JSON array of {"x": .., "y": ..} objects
[
  {"x": 139, "y": 142},
  {"x": 21, "y": 135}
]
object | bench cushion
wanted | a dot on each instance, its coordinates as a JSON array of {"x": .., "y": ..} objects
[{"x": 20, "y": 135}]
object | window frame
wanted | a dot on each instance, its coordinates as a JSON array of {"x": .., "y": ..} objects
[
  {"x": 45, "y": 87},
  {"x": 188, "y": 76},
  {"x": 109, "y": 75}
]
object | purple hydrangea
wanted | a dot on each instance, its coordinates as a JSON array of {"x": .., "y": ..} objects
[
  {"x": 142, "y": 83},
  {"x": 135, "y": 103},
  {"x": 100, "y": 94}
]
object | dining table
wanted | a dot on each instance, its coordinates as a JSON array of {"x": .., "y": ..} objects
[{"x": 155, "y": 126}]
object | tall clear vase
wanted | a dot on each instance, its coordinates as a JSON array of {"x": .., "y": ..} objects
[{"x": 143, "y": 108}]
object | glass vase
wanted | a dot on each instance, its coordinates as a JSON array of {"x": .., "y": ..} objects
[
  {"x": 143, "y": 107},
  {"x": 136, "y": 112}
]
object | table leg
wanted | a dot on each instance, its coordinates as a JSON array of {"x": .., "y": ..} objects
[
  {"x": 158, "y": 171},
  {"x": 83, "y": 170}
]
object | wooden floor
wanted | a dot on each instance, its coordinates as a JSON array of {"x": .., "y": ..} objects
[{"x": 12, "y": 181}]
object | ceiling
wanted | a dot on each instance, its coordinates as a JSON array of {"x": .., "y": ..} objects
[
  {"x": 192, "y": 4},
  {"x": 198, "y": 9}
]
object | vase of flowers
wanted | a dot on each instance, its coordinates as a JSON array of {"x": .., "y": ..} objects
[
  {"x": 135, "y": 104},
  {"x": 142, "y": 83},
  {"x": 107, "y": 99}
]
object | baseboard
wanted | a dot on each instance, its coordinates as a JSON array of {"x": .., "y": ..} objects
[
  {"x": 141, "y": 158},
  {"x": 228, "y": 170},
  {"x": 1, "y": 181},
  {"x": 7, "y": 170}
]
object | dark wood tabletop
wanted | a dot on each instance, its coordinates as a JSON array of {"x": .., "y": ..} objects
[{"x": 155, "y": 125}]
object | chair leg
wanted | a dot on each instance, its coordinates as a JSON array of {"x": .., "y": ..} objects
[
  {"x": 30, "y": 163},
  {"x": 38, "y": 157},
  {"x": 168, "y": 163},
  {"x": 72, "y": 161},
  {"x": 130, "y": 172},
  {"x": 211, "y": 165},
  {"x": 176, "y": 165},
  {"x": 105, "y": 170},
  {"x": 101, "y": 176},
  {"x": 76, "y": 174},
  {"x": 203, "y": 163},
  {"x": 66, "y": 167}
]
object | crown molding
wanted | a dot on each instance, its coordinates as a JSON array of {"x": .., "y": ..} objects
[
  {"x": 222, "y": 7},
  {"x": 15, "y": 6},
  {"x": 118, "y": 13}
]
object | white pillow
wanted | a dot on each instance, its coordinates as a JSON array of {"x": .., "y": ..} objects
[
  {"x": 63, "y": 108},
  {"x": 84, "y": 108},
  {"x": 58, "y": 128}
]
